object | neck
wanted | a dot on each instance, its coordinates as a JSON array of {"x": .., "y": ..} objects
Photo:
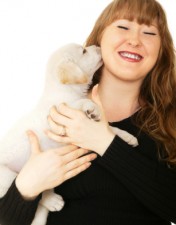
[{"x": 119, "y": 98}]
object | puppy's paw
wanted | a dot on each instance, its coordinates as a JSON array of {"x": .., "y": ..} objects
[
  {"x": 88, "y": 107},
  {"x": 124, "y": 135},
  {"x": 91, "y": 110},
  {"x": 53, "y": 202}
]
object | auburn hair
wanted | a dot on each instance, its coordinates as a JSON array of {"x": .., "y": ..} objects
[{"x": 157, "y": 116}]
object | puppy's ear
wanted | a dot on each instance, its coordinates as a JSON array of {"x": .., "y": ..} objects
[{"x": 70, "y": 73}]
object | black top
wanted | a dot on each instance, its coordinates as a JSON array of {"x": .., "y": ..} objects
[{"x": 126, "y": 186}]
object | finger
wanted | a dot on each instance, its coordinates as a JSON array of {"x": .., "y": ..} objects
[
  {"x": 80, "y": 161},
  {"x": 66, "y": 149},
  {"x": 68, "y": 111},
  {"x": 78, "y": 165},
  {"x": 57, "y": 117},
  {"x": 95, "y": 95},
  {"x": 57, "y": 138},
  {"x": 96, "y": 99},
  {"x": 76, "y": 171},
  {"x": 57, "y": 129},
  {"x": 74, "y": 154},
  {"x": 34, "y": 142}
]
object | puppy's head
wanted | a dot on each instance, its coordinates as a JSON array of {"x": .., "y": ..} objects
[
  {"x": 73, "y": 64},
  {"x": 69, "y": 72}
]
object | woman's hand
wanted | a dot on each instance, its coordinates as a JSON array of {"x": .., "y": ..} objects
[
  {"x": 80, "y": 130},
  {"x": 47, "y": 169}
]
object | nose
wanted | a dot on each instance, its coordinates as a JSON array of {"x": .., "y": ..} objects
[{"x": 134, "y": 40}]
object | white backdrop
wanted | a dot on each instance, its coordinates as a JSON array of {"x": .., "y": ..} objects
[{"x": 30, "y": 30}]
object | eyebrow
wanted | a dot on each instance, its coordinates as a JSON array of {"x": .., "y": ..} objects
[
  {"x": 152, "y": 25},
  {"x": 126, "y": 20}
]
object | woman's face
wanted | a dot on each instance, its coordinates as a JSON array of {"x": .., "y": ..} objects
[{"x": 129, "y": 50}]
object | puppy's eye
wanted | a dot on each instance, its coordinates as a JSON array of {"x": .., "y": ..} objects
[{"x": 84, "y": 51}]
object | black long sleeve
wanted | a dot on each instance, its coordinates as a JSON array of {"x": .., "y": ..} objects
[
  {"x": 126, "y": 186},
  {"x": 150, "y": 181},
  {"x": 14, "y": 210}
]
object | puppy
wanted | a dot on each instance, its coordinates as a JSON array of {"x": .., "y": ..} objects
[{"x": 69, "y": 72}]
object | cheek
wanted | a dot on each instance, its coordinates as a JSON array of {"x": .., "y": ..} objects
[
  {"x": 105, "y": 48},
  {"x": 153, "y": 47},
  {"x": 155, "y": 52},
  {"x": 112, "y": 38}
]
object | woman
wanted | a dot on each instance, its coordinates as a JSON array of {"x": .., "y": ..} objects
[{"x": 136, "y": 92}]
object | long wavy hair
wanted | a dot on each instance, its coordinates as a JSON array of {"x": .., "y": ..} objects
[{"x": 157, "y": 116}]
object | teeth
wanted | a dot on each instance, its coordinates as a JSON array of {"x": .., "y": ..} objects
[{"x": 131, "y": 56}]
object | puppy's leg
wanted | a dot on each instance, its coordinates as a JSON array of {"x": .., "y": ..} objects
[
  {"x": 49, "y": 202},
  {"x": 124, "y": 135},
  {"x": 40, "y": 216},
  {"x": 53, "y": 202},
  {"x": 7, "y": 176}
]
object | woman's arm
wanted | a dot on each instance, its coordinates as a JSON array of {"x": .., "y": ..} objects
[
  {"x": 150, "y": 181},
  {"x": 44, "y": 170},
  {"x": 15, "y": 210}
]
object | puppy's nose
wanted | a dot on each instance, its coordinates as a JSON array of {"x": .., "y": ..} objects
[{"x": 84, "y": 50}]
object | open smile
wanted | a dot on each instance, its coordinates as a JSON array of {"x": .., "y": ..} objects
[{"x": 130, "y": 56}]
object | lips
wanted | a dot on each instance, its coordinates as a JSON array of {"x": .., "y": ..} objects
[{"x": 130, "y": 56}]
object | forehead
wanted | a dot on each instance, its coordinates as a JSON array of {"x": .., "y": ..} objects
[{"x": 143, "y": 14}]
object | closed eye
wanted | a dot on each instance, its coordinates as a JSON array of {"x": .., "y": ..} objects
[
  {"x": 149, "y": 33},
  {"x": 122, "y": 27}
]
